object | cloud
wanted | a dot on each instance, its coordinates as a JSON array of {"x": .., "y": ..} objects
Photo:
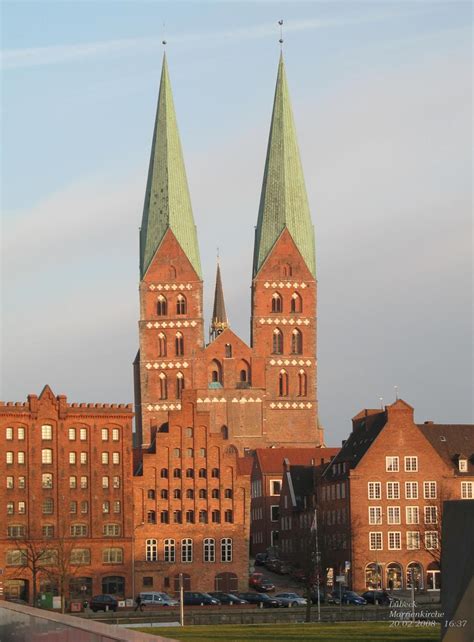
[{"x": 82, "y": 52}]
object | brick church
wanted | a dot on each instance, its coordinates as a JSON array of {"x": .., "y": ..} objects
[{"x": 201, "y": 409}]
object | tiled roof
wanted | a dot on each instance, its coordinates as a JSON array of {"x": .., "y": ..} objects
[
  {"x": 283, "y": 202},
  {"x": 271, "y": 459},
  {"x": 167, "y": 200},
  {"x": 450, "y": 441}
]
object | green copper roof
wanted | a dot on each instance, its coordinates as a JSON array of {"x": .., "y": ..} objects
[
  {"x": 167, "y": 200},
  {"x": 283, "y": 202}
]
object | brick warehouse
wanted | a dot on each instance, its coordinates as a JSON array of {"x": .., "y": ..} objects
[{"x": 200, "y": 410}]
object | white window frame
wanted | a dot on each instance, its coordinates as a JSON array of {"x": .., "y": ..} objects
[
  {"x": 409, "y": 460},
  {"x": 428, "y": 513},
  {"x": 277, "y": 506},
  {"x": 187, "y": 550},
  {"x": 272, "y": 489},
  {"x": 375, "y": 537},
  {"x": 104, "y": 433},
  {"x": 394, "y": 540},
  {"x": 413, "y": 536},
  {"x": 169, "y": 551},
  {"x": 151, "y": 550},
  {"x": 412, "y": 515},
  {"x": 105, "y": 457},
  {"x": 430, "y": 538},
  {"x": 46, "y": 432},
  {"x": 71, "y": 433},
  {"x": 72, "y": 457},
  {"x": 393, "y": 490},
  {"x": 82, "y": 434},
  {"x": 9, "y": 433},
  {"x": 21, "y": 457},
  {"x": 20, "y": 433},
  {"x": 115, "y": 434},
  {"x": 46, "y": 456},
  {"x": 467, "y": 490},
  {"x": 392, "y": 464},
  {"x": 462, "y": 463},
  {"x": 209, "y": 549},
  {"x": 393, "y": 515},
  {"x": 375, "y": 515},
  {"x": 226, "y": 549},
  {"x": 374, "y": 488},
  {"x": 116, "y": 457},
  {"x": 428, "y": 488},
  {"x": 413, "y": 486}
]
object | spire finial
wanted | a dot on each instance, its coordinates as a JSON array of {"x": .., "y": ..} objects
[
  {"x": 217, "y": 255},
  {"x": 164, "y": 41},
  {"x": 280, "y": 22},
  {"x": 396, "y": 393}
]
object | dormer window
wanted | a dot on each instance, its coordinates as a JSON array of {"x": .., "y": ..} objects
[{"x": 462, "y": 463}]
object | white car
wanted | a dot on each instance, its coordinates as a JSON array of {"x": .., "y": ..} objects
[{"x": 290, "y": 599}]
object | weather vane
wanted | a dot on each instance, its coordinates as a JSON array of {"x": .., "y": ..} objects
[{"x": 280, "y": 22}]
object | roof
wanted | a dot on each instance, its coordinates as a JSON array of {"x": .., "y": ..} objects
[
  {"x": 167, "y": 201},
  {"x": 283, "y": 201},
  {"x": 452, "y": 442},
  {"x": 270, "y": 460},
  {"x": 219, "y": 320}
]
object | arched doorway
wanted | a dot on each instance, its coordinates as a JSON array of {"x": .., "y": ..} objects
[
  {"x": 186, "y": 582},
  {"x": 373, "y": 576},
  {"x": 394, "y": 577},
  {"x": 17, "y": 589},
  {"x": 433, "y": 577},
  {"x": 414, "y": 576},
  {"x": 226, "y": 582},
  {"x": 80, "y": 587}
]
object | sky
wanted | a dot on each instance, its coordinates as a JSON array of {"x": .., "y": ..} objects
[{"x": 382, "y": 100}]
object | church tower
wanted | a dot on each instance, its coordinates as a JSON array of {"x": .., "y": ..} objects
[
  {"x": 283, "y": 323},
  {"x": 219, "y": 321},
  {"x": 171, "y": 326}
]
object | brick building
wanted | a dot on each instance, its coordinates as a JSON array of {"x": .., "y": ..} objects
[
  {"x": 380, "y": 501},
  {"x": 269, "y": 466},
  {"x": 66, "y": 483}
]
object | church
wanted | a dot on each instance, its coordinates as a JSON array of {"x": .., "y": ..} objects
[{"x": 176, "y": 499}]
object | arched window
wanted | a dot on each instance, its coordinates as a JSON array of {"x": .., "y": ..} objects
[
  {"x": 287, "y": 270},
  {"x": 177, "y": 493},
  {"x": 169, "y": 550},
  {"x": 215, "y": 493},
  {"x": 373, "y": 576},
  {"x": 414, "y": 575},
  {"x": 225, "y": 432},
  {"x": 202, "y": 493},
  {"x": 277, "y": 341},
  {"x": 181, "y": 304},
  {"x": 296, "y": 303},
  {"x": 296, "y": 342},
  {"x": 151, "y": 550},
  {"x": 151, "y": 517},
  {"x": 164, "y": 473},
  {"x": 226, "y": 549},
  {"x": 228, "y": 350},
  {"x": 202, "y": 473},
  {"x": 215, "y": 374},
  {"x": 302, "y": 384},
  {"x": 172, "y": 272},
  {"x": 177, "y": 472},
  {"x": 209, "y": 549},
  {"x": 164, "y": 494},
  {"x": 277, "y": 302},
  {"x": 283, "y": 383},
  {"x": 179, "y": 344},
  {"x": 164, "y": 517},
  {"x": 229, "y": 516},
  {"x": 228, "y": 493},
  {"x": 161, "y": 345},
  {"x": 113, "y": 585},
  {"x": 47, "y": 456},
  {"x": 394, "y": 576},
  {"x": 151, "y": 494},
  {"x": 190, "y": 493},
  {"x": 179, "y": 385},
  {"x": 189, "y": 517},
  {"x": 243, "y": 376},
  {"x": 187, "y": 550},
  {"x": 162, "y": 306},
  {"x": 203, "y": 516},
  {"x": 190, "y": 473},
  {"x": 163, "y": 386},
  {"x": 216, "y": 516},
  {"x": 215, "y": 473}
]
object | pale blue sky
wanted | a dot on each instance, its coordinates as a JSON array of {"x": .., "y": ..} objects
[{"x": 382, "y": 100}]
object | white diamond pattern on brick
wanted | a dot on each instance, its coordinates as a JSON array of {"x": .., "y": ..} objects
[
  {"x": 272, "y": 362},
  {"x": 148, "y": 366},
  {"x": 266, "y": 284},
  {"x": 193, "y": 323},
  {"x": 149, "y": 325},
  {"x": 308, "y": 363},
  {"x": 149, "y": 407}
]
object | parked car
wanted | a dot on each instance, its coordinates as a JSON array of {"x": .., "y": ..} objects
[
  {"x": 347, "y": 597},
  {"x": 155, "y": 598},
  {"x": 255, "y": 578},
  {"x": 227, "y": 598},
  {"x": 265, "y": 586},
  {"x": 314, "y": 597},
  {"x": 298, "y": 574},
  {"x": 272, "y": 563},
  {"x": 192, "y": 598},
  {"x": 260, "y": 598},
  {"x": 377, "y": 597},
  {"x": 103, "y": 603},
  {"x": 260, "y": 559},
  {"x": 290, "y": 599}
]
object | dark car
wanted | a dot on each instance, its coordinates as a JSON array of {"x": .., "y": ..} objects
[
  {"x": 347, "y": 597},
  {"x": 103, "y": 603},
  {"x": 377, "y": 597},
  {"x": 227, "y": 598},
  {"x": 260, "y": 559},
  {"x": 314, "y": 597},
  {"x": 266, "y": 601},
  {"x": 192, "y": 598},
  {"x": 265, "y": 586}
]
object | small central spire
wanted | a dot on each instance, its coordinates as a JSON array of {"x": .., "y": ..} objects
[{"x": 219, "y": 320}]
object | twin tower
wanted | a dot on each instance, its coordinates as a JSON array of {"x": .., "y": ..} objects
[{"x": 256, "y": 396}]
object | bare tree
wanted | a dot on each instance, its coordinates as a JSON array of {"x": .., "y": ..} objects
[
  {"x": 28, "y": 560},
  {"x": 63, "y": 564}
]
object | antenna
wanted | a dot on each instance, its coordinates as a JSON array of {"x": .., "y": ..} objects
[
  {"x": 164, "y": 42},
  {"x": 381, "y": 402},
  {"x": 217, "y": 255},
  {"x": 396, "y": 393},
  {"x": 280, "y": 22}
]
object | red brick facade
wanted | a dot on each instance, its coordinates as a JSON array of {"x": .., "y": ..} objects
[{"x": 66, "y": 481}]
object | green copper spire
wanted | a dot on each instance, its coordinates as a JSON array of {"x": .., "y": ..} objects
[
  {"x": 283, "y": 202},
  {"x": 167, "y": 201}
]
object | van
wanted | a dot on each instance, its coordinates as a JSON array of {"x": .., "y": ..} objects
[{"x": 154, "y": 598}]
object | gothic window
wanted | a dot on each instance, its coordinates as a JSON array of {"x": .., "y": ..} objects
[
  {"x": 169, "y": 550},
  {"x": 243, "y": 376},
  {"x": 228, "y": 350},
  {"x": 215, "y": 473},
  {"x": 181, "y": 304},
  {"x": 172, "y": 273},
  {"x": 202, "y": 493},
  {"x": 296, "y": 303},
  {"x": 161, "y": 345},
  {"x": 190, "y": 473},
  {"x": 162, "y": 306},
  {"x": 163, "y": 386},
  {"x": 187, "y": 550},
  {"x": 302, "y": 384},
  {"x": 151, "y": 517},
  {"x": 179, "y": 344},
  {"x": 202, "y": 473},
  {"x": 296, "y": 342},
  {"x": 151, "y": 550},
  {"x": 277, "y": 303},
  {"x": 215, "y": 493},
  {"x": 209, "y": 546},
  {"x": 177, "y": 472},
  {"x": 177, "y": 493},
  {"x": 215, "y": 374},
  {"x": 287, "y": 270},
  {"x": 277, "y": 341},
  {"x": 225, "y": 432},
  {"x": 179, "y": 385},
  {"x": 164, "y": 473},
  {"x": 283, "y": 384},
  {"x": 164, "y": 494},
  {"x": 190, "y": 493}
]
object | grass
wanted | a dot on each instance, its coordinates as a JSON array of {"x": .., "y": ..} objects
[{"x": 339, "y": 632}]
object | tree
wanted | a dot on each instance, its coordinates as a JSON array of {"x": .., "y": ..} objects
[{"x": 28, "y": 559}]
